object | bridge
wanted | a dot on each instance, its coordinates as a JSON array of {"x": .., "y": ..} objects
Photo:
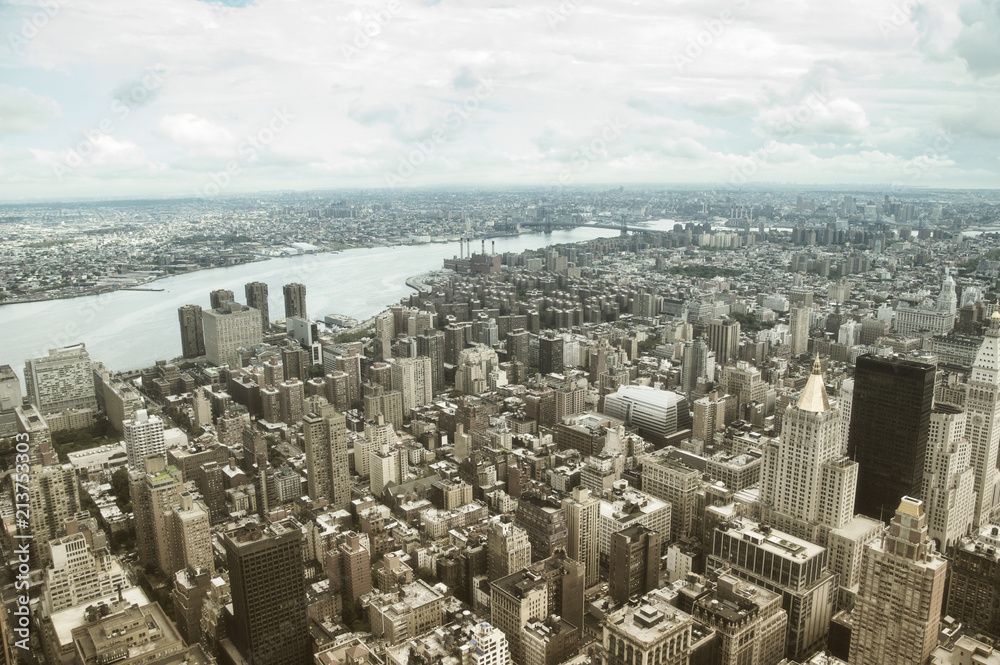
[{"x": 549, "y": 225}]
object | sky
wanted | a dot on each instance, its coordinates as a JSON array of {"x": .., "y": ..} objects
[{"x": 118, "y": 98}]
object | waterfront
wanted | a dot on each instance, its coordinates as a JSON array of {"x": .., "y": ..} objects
[{"x": 132, "y": 329}]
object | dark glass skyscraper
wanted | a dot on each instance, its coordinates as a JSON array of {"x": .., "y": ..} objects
[
  {"x": 295, "y": 300},
  {"x": 257, "y": 298},
  {"x": 890, "y": 420}
]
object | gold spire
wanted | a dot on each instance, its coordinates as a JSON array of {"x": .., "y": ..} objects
[
  {"x": 813, "y": 397},
  {"x": 996, "y": 311}
]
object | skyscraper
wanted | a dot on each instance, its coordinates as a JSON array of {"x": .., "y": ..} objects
[
  {"x": 228, "y": 329},
  {"x": 53, "y": 496},
  {"x": 807, "y": 485},
  {"x": 413, "y": 378},
  {"x": 634, "y": 563},
  {"x": 430, "y": 343},
  {"x": 61, "y": 380},
  {"x": 326, "y": 444},
  {"x": 798, "y": 330},
  {"x": 890, "y": 419},
  {"x": 697, "y": 362},
  {"x": 550, "y": 354},
  {"x": 192, "y": 334},
  {"x": 153, "y": 491},
  {"x": 898, "y": 610},
  {"x": 295, "y": 300},
  {"x": 724, "y": 339},
  {"x": 948, "y": 487},
  {"x": 143, "y": 437},
  {"x": 219, "y": 297},
  {"x": 271, "y": 625},
  {"x": 256, "y": 293},
  {"x": 583, "y": 542},
  {"x": 508, "y": 549},
  {"x": 982, "y": 407}
]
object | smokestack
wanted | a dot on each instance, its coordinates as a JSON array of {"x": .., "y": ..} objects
[
  {"x": 493, "y": 244},
  {"x": 461, "y": 247},
  {"x": 484, "y": 248}
]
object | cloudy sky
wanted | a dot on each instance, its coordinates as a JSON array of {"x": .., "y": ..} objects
[{"x": 114, "y": 98}]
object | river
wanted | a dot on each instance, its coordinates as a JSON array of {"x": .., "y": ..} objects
[{"x": 132, "y": 329}]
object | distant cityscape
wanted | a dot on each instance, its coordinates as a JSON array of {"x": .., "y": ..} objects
[{"x": 728, "y": 426}]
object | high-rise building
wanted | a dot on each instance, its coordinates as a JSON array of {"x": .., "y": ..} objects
[
  {"x": 430, "y": 343},
  {"x": 898, "y": 610},
  {"x": 256, "y": 293},
  {"x": 295, "y": 300},
  {"x": 190, "y": 592},
  {"x": 807, "y": 484},
  {"x": 153, "y": 492},
  {"x": 939, "y": 318},
  {"x": 697, "y": 362},
  {"x": 291, "y": 400},
  {"x": 386, "y": 464},
  {"x": 550, "y": 354},
  {"x": 192, "y": 334},
  {"x": 583, "y": 542},
  {"x": 798, "y": 330},
  {"x": 724, "y": 339},
  {"x": 414, "y": 379},
  {"x": 270, "y": 622},
  {"x": 10, "y": 389},
  {"x": 355, "y": 564},
  {"x": 982, "y": 406},
  {"x": 228, "y": 329},
  {"x": 488, "y": 646},
  {"x": 143, "y": 437},
  {"x": 219, "y": 297},
  {"x": 189, "y": 536},
  {"x": 672, "y": 480},
  {"x": 61, "y": 380},
  {"x": 80, "y": 573},
  {"x": 544, "y": 521},
  {"x": 948, "y": 487},
  {"x": 326, "y": 446},
  {"x": 53, "y": 497},
  {"x": 845, "y": 398},
  {"x": 648, "y": 632},
  {"x": 748, "y": 621},
  {"x": 890, "y": 419},
  {"x": 658, "y": 414},
  {"x": 635, "y": 562},
  {"x": 508, "y": 549},
  {"x": 974, "y": 586}
]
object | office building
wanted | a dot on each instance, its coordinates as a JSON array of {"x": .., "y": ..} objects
[
  {"x": 326, "y": 446},
  {"x": 798, "y": 330},
  {"x": 386, "y": 465},
  {"x": 724, "y": 339},
  {"x": 412, "y": 610},
  {"x": 190, "y": 593},
  {"x": 650, "y": 631},
  {"x": 890, "y": 419},
  {"x": 508, "y": 549},
  {"x": 189, "y": 536},
  {"x": 807, "y": 484},
  {"x": 982, "y": 428},
  {"x": 143, "y": 437},
  {"x": 898, "y": 610},
  {"x": 228, "y": 329},
  {"x": 948, "y": 486},
  {"x": 61, "y": 380},
  {"x": 355, "y": 566},
  {"x": 916, "y": 316},
  {"x": 153, "y": 491},
  {"x": 544, "y": 521},
  {"x": 974, "y": 585},
  {"x": 295, "y": 300},
  {"x": 635, "y": 562},
  {"x": 487, "y": 646},
  {"x": 697, "y": 363},
  {"x": 748, "y": 621},
  {"x": 658, "y": 414},
  {"x": 583, "y": 539},
  {"x": 430, "y": 344},
  {"x": 270, "y": 623},
  {"x": 669, "y": 478},
  {"x": 220, "y": 297},
  {"x": 782, "y": 563},
  {"x": 624, "y": 507},
  {"x": 79, "y": 573},
  {"x": 53, "y": 496},
  {"x": 192, "y": 334},
  {"x": 256, "y": 293}
]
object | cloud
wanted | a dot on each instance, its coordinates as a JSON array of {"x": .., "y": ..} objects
[
  {"x": 979, "y": 121},
  {"x": 24, "y": 112},
  {"x": 978, "y": 44},
  {"x": 197, "y": 134},
  {"x": 814, "y": 115}
]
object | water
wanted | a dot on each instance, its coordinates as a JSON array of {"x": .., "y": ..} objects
[{"x": 132, "y": 329}]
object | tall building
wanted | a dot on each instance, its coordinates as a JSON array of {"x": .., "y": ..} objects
[
  {"x": 256, "y": 293},
  {"x": 798, "y": 330},
  {"x": 724, "y": 339},
  {"x": 266, "y": 577},
  {"x": 974, "y": 586},
  {"x": 488, "y": 646},
  {"x": 898, "y": 610},
  {"x": 650, "y": 631},
  {"x": 355, "y": 564},
  {"x": 53, "y": 497},
  {"x": 807, "y": 484},
  {"x": 938, "y": 317},
  {"x": 228, "y": 329},
  {"x": 949, "y": 480},
  {"x": 890, "y": 419},
  {"x": 61, "y": 380},
  {"x": 385, "y": 333},
  {"x": 673, "y": 481},
  {"x": 697, "y": 362},
  {"x": 635, "y": 562},
  {"x": 413, "y": 378},
  {"x": 295, "y": 300},
  {"x": 982, "y": 406},
  {"x": 748, "y": 621},
  {"x": 583, "y": 542},
  {"x": 192, "y": 334},
  {"x": 508, "y": 549},
  {"x": 550, "y": 354},
  {"x": 80, "y": 573},
  {"x": 430, "y": 343},
  {"x": 143, "y": 437},
  {"x": 219, "y": 297},
  {"x": 326, "y": 446},
  {"x": 189, "y": 536},
  {"x": 544, "y": 521},
  {"x": 386, "y": 464},
  {"x": 153, "y": 492}
]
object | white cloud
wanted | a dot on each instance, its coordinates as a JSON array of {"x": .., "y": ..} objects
[
  {"x": 199, "y": 135},
  {"x": 24, "y": 112}
]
